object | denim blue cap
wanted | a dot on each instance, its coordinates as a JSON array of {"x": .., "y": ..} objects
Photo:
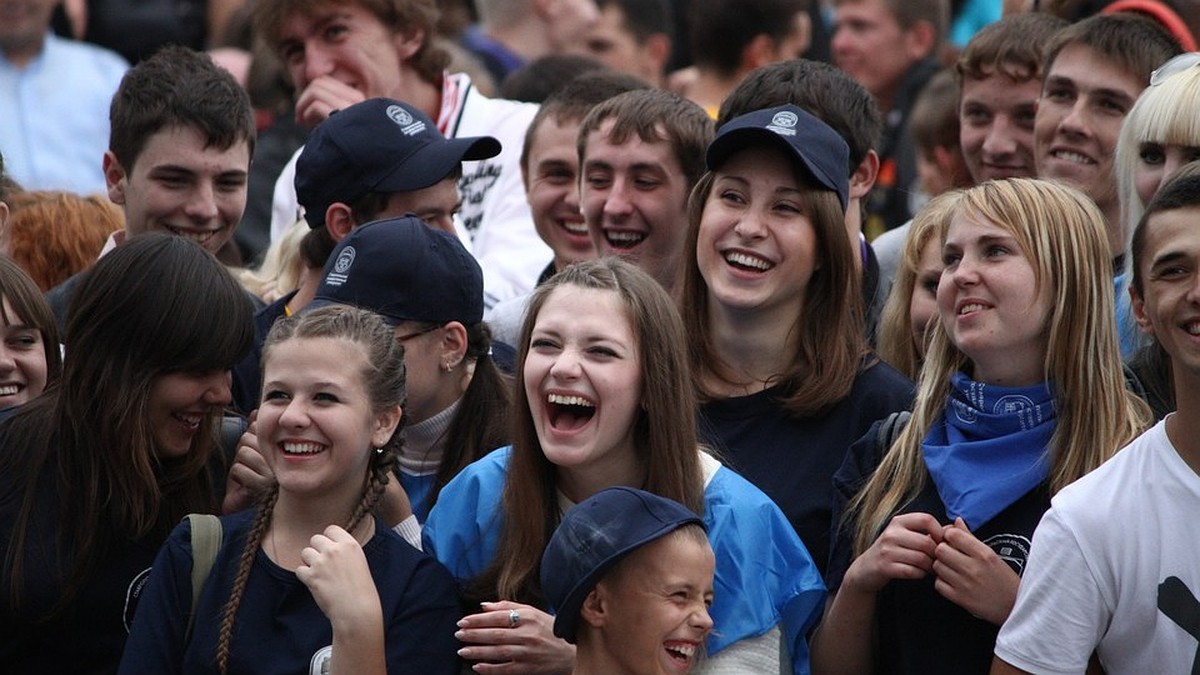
[
  {"x": 378, "y": 145},
  {"x": 404, "y": 270},
  {"x": 817, "y": 148},
  {"x": 595, "y": 535}
]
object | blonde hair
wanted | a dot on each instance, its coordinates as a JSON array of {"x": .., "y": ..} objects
[
  {"x": 281, "y": 268},
  {"x": 1062, "y": 233},
  {"x": 897, "y": 344},
  {"x": 1165, "y": 113}
]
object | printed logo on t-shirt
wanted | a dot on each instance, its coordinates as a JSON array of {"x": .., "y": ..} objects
[
  {"x": 1179, "y": 604},
  {"x": 1012, "y": 549},
  {"x": 133, "y": 594},
  {"x": 320, "y": 661}
]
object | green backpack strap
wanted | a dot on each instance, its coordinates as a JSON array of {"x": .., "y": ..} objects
[{"x": 206, "y": 541}]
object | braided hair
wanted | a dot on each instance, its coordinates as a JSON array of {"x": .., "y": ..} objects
[{"x": 383, "y": 377}]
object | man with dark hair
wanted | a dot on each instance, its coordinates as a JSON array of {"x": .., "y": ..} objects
[
  {"x": 341, "y": 52},
  {"x": 633, "y": 36},
  {"x": 890, "y": 47},
  {"x": 640, "y": 155},
  {"x": 730, "y": 38},
  {"x": 182, "y": 134}
]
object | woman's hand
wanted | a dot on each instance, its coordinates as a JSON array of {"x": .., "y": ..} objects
[
  {"x": 529, "y": 646},
  {"x": 335, "y": 570},
  {"x": 250, "y": 475},
  {"x": 905, "y": 550},
  {"x": 972, "y": 576}
]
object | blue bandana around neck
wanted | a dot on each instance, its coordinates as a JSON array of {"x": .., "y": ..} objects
[{"x": 988, "y": 449}]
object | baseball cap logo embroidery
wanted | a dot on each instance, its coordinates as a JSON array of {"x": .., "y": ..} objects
[
  {"x": 784, "y": 123},
  {"x": 408, "y": 125},
  {"x": 341, "y": 266}
]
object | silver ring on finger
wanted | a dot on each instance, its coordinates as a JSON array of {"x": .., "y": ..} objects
[{"x": 514, "y": 618}]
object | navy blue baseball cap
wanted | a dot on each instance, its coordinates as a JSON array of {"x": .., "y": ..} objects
[
  {"x": 378, "y": 145},
  {"x": 593, "y": 537},
  {"x": 817, "y": 148},
  {"x": 404, "y": 270}
]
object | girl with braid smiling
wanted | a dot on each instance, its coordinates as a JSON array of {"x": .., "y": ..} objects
[{"x": 311, "y": 581}]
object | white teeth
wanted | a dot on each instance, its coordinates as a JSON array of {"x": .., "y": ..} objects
[
  {"x": 8, "y": 390},
  {"x": 973, "y": 307},
  {"x": 746, "y": 260},
  {"x": 190, "y": 420},
  {"x": 1191, "y": 328},
  {"x": 193, "y": 235},
  {"x": 575, "y": 228},
  {"x": 1073, "y": 157},
  {"x": 686, "y": 651},
  {"x": 561, "y": 399},
  {"x": 624, "y": 237},
  {"x": 302, "y": 448}
]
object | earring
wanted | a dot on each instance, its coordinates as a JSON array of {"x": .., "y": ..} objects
[
  {"x": 379, "y": 450},
  {"x": 446, "y": 367}
]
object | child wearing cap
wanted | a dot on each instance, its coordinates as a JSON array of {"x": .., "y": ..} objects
[
  {"x": 631, "y": 576},
  {"x": 772, "y": 306}
]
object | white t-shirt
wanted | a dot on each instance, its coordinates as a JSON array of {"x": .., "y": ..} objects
[{"x": 1115, "y": 568}]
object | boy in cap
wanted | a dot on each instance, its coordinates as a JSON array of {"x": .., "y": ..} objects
[
  {"x": 630, "y": 574},
  {"x": 377, "y": 159}
]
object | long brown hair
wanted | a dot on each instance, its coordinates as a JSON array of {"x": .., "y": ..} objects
[
  {"x": 1062, "y": 234},
  {"x": 155, "y": 305},
  {"x": 383, "y": 376},
  {"x": 829, "y": 334},
  {"x": 664, "y": 432}
]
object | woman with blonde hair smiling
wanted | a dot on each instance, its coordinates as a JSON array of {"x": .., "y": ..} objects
[{"x": 1020, "y": 394}]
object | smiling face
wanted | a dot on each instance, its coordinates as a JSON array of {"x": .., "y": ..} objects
[
  {"x": 582, "y": 376},
  {"x": 1084, "y": 101},
  {"x": 22, "y": 360},
  {"x": 922, "y": 308},
  {"x": 346, "y": 43},
  {"x": 653, "y": 616},
  {"x": 756, "y": 247},
  {"x": 179, "y": 403},
  {"x": 181, "y": 185},
  {"x": 1155, "y": 164},
  {"x": 316, "y": 426},
  {"x": 990, "y": 303},
  {"x": 996, "y": 119},
  {"x": 552, "y": 190},
  {"x": 634, "y": 198},
  {"x": 1168, "y": 307}
]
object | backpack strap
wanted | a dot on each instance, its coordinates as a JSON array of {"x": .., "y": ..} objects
[
  {"x": 890, "y": 430},
  {"x": 206, "y": 541}
]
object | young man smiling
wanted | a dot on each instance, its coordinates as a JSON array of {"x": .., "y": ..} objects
[{"x": 179, "y": 154}]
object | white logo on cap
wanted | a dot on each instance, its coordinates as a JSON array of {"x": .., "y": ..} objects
[
  {"x": 341, "y": 266},
  {"x": 408, "y": 125},
  {"x": 784, "y": 123}
]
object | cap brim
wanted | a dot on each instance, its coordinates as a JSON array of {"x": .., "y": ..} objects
[
  {"x": 566, "y": 621},
  {"x": 434, "y": 162},
  {"x": 319, "y": 301}
]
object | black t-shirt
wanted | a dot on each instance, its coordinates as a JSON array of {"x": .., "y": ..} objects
[
  {"x": 793, "y": 459},
  {"x": 918, "y": 630}
]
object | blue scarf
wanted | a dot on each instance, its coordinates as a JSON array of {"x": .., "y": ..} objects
[{"x": 989, "y": 447}]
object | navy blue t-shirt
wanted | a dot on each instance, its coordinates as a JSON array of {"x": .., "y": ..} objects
[
  {"x": 793, "y": 459},
  {"x": 280, "y": 629},
  {"x": 918, "y": 630}
]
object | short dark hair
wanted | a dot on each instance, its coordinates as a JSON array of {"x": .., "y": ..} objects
[
  {"x": 178, "y": 87},
  {"x": 934, "y": 120},
  {"x": 721, "y": 29},
  {"x": 644, "y": 18},
  {"x": 573, "y": 101},
  {"x": 655, "y": 116},
  {"x": 1012, "y": 46},
  {"x": 1181, "y": 191},
  {"x": 535, "y": 81},
  {"x": 829, "y": 93},
  {"x": 1136, "y": 45}
]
